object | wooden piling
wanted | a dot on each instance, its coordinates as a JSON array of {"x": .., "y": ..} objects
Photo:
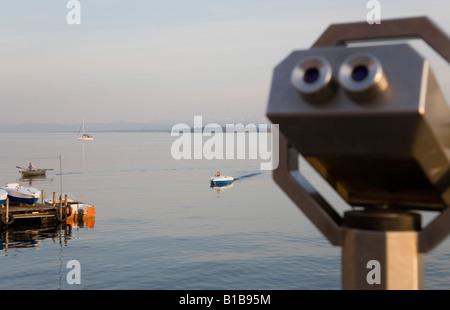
[
  {"x": 7, "y": 209},
  {"x": 43, "y": 196}
]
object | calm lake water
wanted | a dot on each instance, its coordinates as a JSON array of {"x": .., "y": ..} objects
[{"x": 159, "y": 225}]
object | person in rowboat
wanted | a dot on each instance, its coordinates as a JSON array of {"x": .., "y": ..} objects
[
  {"x": 31, "y": 167},
  {"x": 218, "y": 174}
]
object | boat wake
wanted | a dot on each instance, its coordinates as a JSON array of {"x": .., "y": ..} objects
[
  {"x": 69, "y": 172},
  {"x": 248, "y": 176}
]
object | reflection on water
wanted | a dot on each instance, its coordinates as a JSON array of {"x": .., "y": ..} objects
[
  {"x": 219, "y": 188},
  {"x": 35, "y": 180},
  {"x": 81, "y": 222},
  {"x": 161, "y": 225},
  {"x": 28, "y": 234}
]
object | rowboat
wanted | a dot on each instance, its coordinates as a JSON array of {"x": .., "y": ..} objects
[
  {"x": 33, "y": 173},
  {"x": 25, "y": 172},
  {"x": 221, "y": 180},
  {"x": 21, "y": 194}
]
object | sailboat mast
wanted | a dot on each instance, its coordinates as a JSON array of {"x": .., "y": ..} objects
[{"x": 84, "y": 137}]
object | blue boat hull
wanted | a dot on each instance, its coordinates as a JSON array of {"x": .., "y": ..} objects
[
  {"x": 29, "y": 201},
  {"x": 220, "y": 183},
  {"x": 2, "y": 201}
]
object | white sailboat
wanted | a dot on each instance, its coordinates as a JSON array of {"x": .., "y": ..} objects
[{"x": 84, "y": 136}]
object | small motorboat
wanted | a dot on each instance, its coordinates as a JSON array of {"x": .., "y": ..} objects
[
  {"x": 79, "y": 209},
  {"x": 21, "y": 194},
  {"x": 3, "y": 196},
  {"x": 220, "y": 180}
]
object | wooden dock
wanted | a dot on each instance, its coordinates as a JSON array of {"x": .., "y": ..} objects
[{"x": 10, "y": 212}]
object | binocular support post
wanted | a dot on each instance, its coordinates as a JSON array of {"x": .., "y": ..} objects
[
  {"x": 385, "y": 237},
  {"x": 381, "y": 260}
]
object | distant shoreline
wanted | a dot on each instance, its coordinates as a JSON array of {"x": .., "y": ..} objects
[
  {"x": 160, "y": 126},
  {"x": 108, "y": 127},
  {"x": 92, "y": 131}
]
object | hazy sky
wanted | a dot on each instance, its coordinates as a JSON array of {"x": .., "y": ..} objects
[{"x": 145, "y": 61}]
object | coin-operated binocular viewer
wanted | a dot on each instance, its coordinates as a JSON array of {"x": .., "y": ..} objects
[{"x": 373, "y": 122}]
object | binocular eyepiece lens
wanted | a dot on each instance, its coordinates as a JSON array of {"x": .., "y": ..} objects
[
  {"x": 359, "y": 73},
  {"x": 312, "y": 78},
  {"x": 362, "y": 77},
  {"x": 311, "y": 75}
]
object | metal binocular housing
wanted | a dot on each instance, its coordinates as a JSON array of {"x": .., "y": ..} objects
[{"x": 371, "y": 120}]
